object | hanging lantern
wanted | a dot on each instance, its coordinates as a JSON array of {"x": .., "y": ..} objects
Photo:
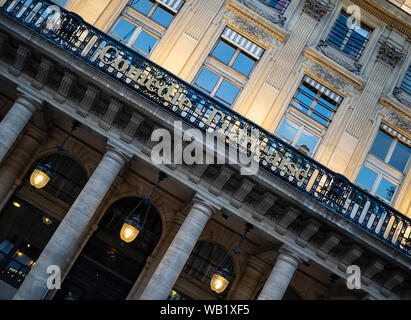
[
  {"x": 130, "y": 229},
  {"x": 220, "y": 280},
  {"x": 41, "y": 175}
]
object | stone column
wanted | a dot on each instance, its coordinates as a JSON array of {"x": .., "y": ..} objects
[
  {"x": 11, "y": 172},
  {"x": 276, "y": 285},
  {"x": 14, "y": 122},
  {"x": 67, "y": 239},
  {"x": 250, "y": 280},
  {"x": 179, "y": 251}
]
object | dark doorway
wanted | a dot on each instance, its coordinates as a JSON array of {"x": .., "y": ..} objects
[
  {"x": 107, "y": 268},
  {"x": 24, "y": 232}
]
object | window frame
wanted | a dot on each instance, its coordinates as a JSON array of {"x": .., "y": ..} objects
[
  {"x": 347, "y": 37},
  {"x": 149, "y": 15},
  {"x": 217, "y": 86},
  {"x": 301, "y": 128},
  {"x": 134, "y": 36},
  {"x": 234, "y": 57},
  {"x": 383, "y": 169}
]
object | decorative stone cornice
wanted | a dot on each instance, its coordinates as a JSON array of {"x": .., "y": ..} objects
[
  {"x": 389, "y": 55},
  {"x": 354, "y": 67},
  {"x": 392, "y": 21},
  {"x": 254, "y": 17},
  {"x": 315, "y": 9},
  {"x": 277, "y": 19}
]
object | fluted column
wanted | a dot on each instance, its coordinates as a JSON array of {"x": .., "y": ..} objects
[
  {"x": 276, "y": 285},
  {"x": 13, "y": 169},
  {"x": 68, "y": 237},
  {"x": 179, "y": 251},
  {"x": 14, "y": 122}
]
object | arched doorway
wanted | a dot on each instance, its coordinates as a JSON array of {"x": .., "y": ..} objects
[
  {"x": 107, "y": 268},
  {"x": 197, "y": 273},
  {"x": 30, "y": 218}
]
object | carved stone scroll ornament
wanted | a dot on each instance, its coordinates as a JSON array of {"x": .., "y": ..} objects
[
  {"x": 389, "y": 55},
  {"x": 399, "y": 121},
  {"x": 277, "y": 19},
  {"x": 252, "y": 29},
  {"x": 354, "y": 67},
  {"x": 315, "y": 9}
]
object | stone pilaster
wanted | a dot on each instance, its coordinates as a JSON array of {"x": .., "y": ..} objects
[
  {"x": 277, "y": 283},
  {"x": 179, "y": 251},
  {"x": 250, "y": 279},
  {"x": 14, "y": 122},
  {"x": 68, "y": 238}
]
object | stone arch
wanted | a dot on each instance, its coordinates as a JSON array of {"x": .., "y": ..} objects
[
  {"x": 116, "y": 264},
  {"x": 203, "y": 261},
  {"x": 70, "y": 176}
]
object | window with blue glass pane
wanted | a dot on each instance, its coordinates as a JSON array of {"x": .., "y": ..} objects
[
  {"x": 406, "y": 82},
  {"x": 243, "y": 64},
  {"x": 155, "y": 10},
  {"x": 233, "y": 57},
  {"x": 162, "y": 17},
  {"x": 381, "y": 145},
  {"x": 124, "y": 30},
  {"x": 143, "y": 6},
  {"x": 278, "y": 5},
  {"x": 61, "y": 2},
  {"x": 366, "y": 178},
  {"x": 307, "y": 141},
  {"x": 316, "y": 102},
  {"x": 400, "y": 156},
  {"x": 145, "y": 42},
  {"x": 227, "y": 92},
  {"x": 207, "y": 80},
  {"x": 287, "y": 130},
  {"x": 386, "y": 190},
  {"x": 349, "y": 37},
  {"x": 223, "y": 52}
]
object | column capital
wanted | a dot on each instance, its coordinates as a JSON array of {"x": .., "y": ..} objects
[
  {"x": 204, "y": 205},
  {"x": 31, "y": 103},
  {"x": 315, "y": 9},
  {"x": 389, "y": 55},
  {"x": 291, "y": 255},
  {"x": 118, "y": 152}
]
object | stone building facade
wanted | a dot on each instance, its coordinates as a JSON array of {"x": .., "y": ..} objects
[{"x": 326, "y": 83}]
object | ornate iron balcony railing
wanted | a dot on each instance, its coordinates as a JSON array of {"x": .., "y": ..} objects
[{"x": 69, "y": 32}]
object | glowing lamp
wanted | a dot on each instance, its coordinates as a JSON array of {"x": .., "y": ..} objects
[
  {"x": 130, "y": 229},
  {"x": 220, "y": 280},
  {"x": 41, "y": 176}
]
